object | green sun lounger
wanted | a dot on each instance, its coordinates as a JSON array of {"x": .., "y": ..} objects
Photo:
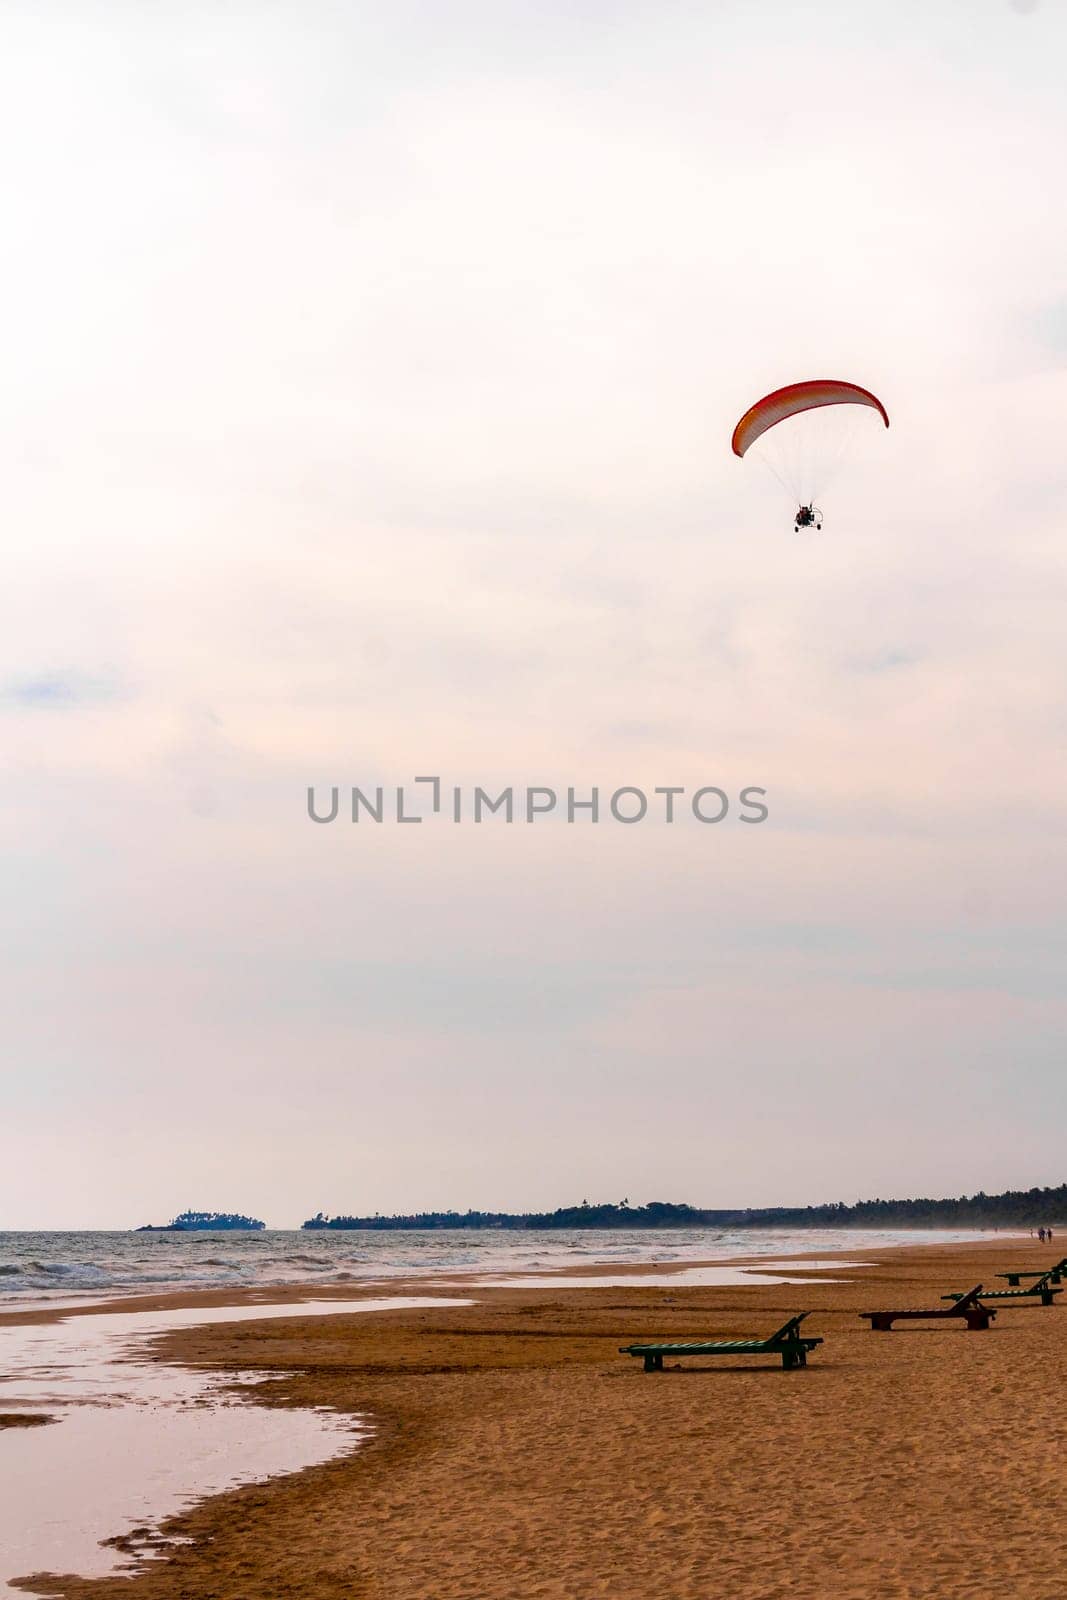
[
  {"x": 786, "y": 1342},
  {"x": 1054, "y": 1274},
  {"x": 1042, "y": 1290}
]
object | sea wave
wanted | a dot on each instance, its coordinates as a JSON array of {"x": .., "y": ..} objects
[
  {"x": 50, "y": 1265},
  {"x": 65, "y": 1269}
]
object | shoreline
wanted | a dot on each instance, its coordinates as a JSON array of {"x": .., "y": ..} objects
[
  {"x": 70, "y": 1268},
  {"x": 294, "y": 1291},
  {"x": 514, "y": 1452}
]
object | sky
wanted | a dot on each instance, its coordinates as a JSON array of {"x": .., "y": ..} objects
[{"x": 370, "y": 376}]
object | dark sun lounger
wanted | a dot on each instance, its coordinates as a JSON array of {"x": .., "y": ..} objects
[
  {"x": 787, "y": 1343},
  {"x": 1055, "y": 1274},
  {"x": 968, "y": 1306}
]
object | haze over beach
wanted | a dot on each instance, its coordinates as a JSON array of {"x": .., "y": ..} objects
[{"x": 371, "y": 379}]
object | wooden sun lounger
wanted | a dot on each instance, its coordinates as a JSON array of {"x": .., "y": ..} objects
[
  {"x": 1055, "y": 1274},
  {"x": 1042, "y": 1290},
  {"x": 968, "y": 1306},
  {"x": 786, "y": 1342}
]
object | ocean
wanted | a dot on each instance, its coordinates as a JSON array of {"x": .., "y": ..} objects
[{"x": 45, "y": 1266}]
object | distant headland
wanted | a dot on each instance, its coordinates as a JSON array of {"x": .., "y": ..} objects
[
  {"x": 206, "y": 1222},
  {"x": 1015, "y": 1208}
]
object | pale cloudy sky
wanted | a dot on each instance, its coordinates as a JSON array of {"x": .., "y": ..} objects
[{"x": 370, "y": 371}]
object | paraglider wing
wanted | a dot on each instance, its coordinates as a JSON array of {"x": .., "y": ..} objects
[{"x": 796, "y": 397}]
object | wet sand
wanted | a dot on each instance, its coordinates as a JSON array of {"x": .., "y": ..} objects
[
  {"x": 517, "y": 1456},
  {"x": 168, "y": 1435}
]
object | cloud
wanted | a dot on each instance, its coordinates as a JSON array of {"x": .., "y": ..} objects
[
  {"x": 372, "y": 387},
  {"x": 60, "y": 691},
  {"x": 1049, "y": 324}
]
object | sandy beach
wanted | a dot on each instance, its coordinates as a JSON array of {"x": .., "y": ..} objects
[{"x": 516, "y": 1453}]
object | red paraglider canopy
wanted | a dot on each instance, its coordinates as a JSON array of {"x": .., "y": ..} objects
[{"x": 795, "y": 397}]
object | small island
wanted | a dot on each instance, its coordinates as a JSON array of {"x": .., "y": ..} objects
[{"x": 206, "y": 1222}]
